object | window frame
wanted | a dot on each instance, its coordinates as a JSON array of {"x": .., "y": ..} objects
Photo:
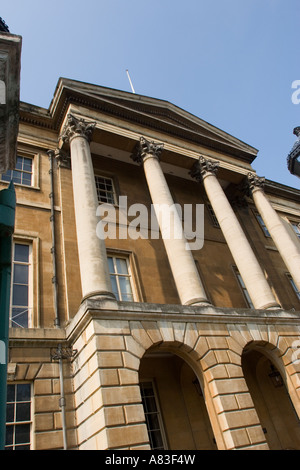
[
  {"x": 293, "y": 285},
  {"x": 15, "y": 422},
  {"x": 159, "y": 414},
  {"x": 35, "y": 157},
  {"x": 296, "y": 227},
  {"x": 212, "y": 215},
  {"x": 262, "y": 225},
  {"x": 28, "y": 243},
  {"x": 132, "y": 272},
  {"x": 114, "y": 191},
  {"x": 242, "y": 287}
]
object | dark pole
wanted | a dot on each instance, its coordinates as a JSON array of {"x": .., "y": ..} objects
[{"x": 7, "y": 222}]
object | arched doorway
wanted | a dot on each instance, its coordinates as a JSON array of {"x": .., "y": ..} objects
[
  {"x": 275, "y": 410},
  {"x": 174, "y": 406}
]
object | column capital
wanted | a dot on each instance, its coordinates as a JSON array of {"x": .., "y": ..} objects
[
  {"x": 62, "y": 158},
  {"x": 255, "y": 182},
  {"x": 75, "y": 127},
  {"x": 145, "y": 148},
  {"x": 203, "y": 167}
]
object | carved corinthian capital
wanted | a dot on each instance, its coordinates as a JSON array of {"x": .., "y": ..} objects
[
  {"x": 203, "y": 167},
  {"x": 255, "y": 182},
  {"x": 77, "y": 128},
  {"x": 145, "y": 148}
]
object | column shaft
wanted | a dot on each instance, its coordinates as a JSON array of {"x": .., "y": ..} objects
[
  {"x": 95, "y": 279},
  {"x": 288, "y": 250},
  {"x": 242, "y": 253},
  {"x": 186, "y": 276}
]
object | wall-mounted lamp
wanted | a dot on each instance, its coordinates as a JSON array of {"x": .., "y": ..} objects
[{"x": 275, "y": 377}]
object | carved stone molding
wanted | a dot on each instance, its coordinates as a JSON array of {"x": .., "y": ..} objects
[
  {"x": 255, "y": 182},
  {"x": 146, "y": 147},
  {"x": 203, "y": 167},
  {"x": 77, "y": 128}
]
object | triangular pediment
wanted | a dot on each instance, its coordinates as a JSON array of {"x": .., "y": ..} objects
[{"x": 150, "y": 112}]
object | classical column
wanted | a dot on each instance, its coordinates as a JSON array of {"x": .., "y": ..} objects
[
  {"x": 288, "y": 250},
  {"x": 186, "y": 276},
  {"x": 257, "y": 286},
  {"x": 95, "y": 279}
]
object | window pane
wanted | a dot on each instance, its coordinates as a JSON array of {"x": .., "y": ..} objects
[
  {"x": 27, "y": 164},
  {"x": 9, "y": 435},
  {"x": 19, "y": 317},
  {"x": 20, "y": 274},
  {"x": 21, "y": 253},
  {"x": 23, "y": 412},
  {"x": 114, "y": 287},
  {"x": 26, "y": 179},
  {"x": 20, "y": 295},
  {"x": 121, "y": 266},
  {"x": 10, "y": 412},
  {"x": 19, "y": 163},
  {"x": 10, "y": 393},
  {"x": 22, "y": 434},
  {"x": 23, "y": 392},
  {"x": 111, "y": 265},
  {"x": 17, "y": 176},
  {"x": 7, "y": 176}
]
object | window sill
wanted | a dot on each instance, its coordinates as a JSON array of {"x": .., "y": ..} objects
[{"x": 19, "y": 185}]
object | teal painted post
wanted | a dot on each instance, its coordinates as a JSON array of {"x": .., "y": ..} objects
[{"x": 7, "y": 222}]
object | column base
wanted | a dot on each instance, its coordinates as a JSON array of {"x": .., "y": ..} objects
[
  {"x": 99, "y": 295},
  {"x": 271, "y": 307},
  {"x": 198, "y": 302}
]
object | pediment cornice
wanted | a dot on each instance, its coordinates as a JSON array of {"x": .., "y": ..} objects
[{"x": 148, "y": 112}]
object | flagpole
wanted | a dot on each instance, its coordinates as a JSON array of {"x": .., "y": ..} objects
[{"x": 130, "y": 81}]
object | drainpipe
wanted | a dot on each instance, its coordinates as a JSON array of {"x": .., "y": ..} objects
[{"x": 59, "y": 355}]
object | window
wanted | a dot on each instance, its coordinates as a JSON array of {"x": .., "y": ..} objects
[
  {"x": 120, "y": 276},
  {"x": 105, "y": 190},
  {"x": 296, "y": 228},
  {"x": 20, "y": 296},
  {"x": 263, "y": 225},
  {"x": 292, "y": 282},
  {"x": 243, "y": 287},
  {"x": 23, "y": 172},
  {"x": 18, "y": 417},
  {"x": 212, "y": 214},
  {"x": 153, "y": 416}
]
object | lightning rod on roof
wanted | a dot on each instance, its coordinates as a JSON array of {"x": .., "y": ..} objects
[{"x": 132, "y": 89}]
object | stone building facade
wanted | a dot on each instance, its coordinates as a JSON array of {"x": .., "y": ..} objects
[{"x": 126, "y": 335}]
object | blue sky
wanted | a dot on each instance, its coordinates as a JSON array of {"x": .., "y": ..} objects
[{"x": 229, "y": 62}]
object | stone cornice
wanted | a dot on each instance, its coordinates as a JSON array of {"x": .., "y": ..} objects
[
  {"x": 119, "y": 311},
  {"x": 211, "y": 137}
]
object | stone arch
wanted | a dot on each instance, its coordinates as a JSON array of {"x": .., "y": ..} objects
[{"x": 271, "y": 378}]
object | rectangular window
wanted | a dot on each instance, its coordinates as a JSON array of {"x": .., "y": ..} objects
[
  {"x": 296, "y": 228},
  {"x": 23, "y": 172},
  {"x": 292, "y": 282},
  {"x": 212, "y": 215},
  {"x": 121, "y": 279},
  {"x": 18, "y": 417},
  {"x": 243, "y": 287},
  {"x": 105, "y": 190},
  {"x": 153, "y": 417},
  {"x": 263, "y": 225},
  {"x": 20, "y": 296}
]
